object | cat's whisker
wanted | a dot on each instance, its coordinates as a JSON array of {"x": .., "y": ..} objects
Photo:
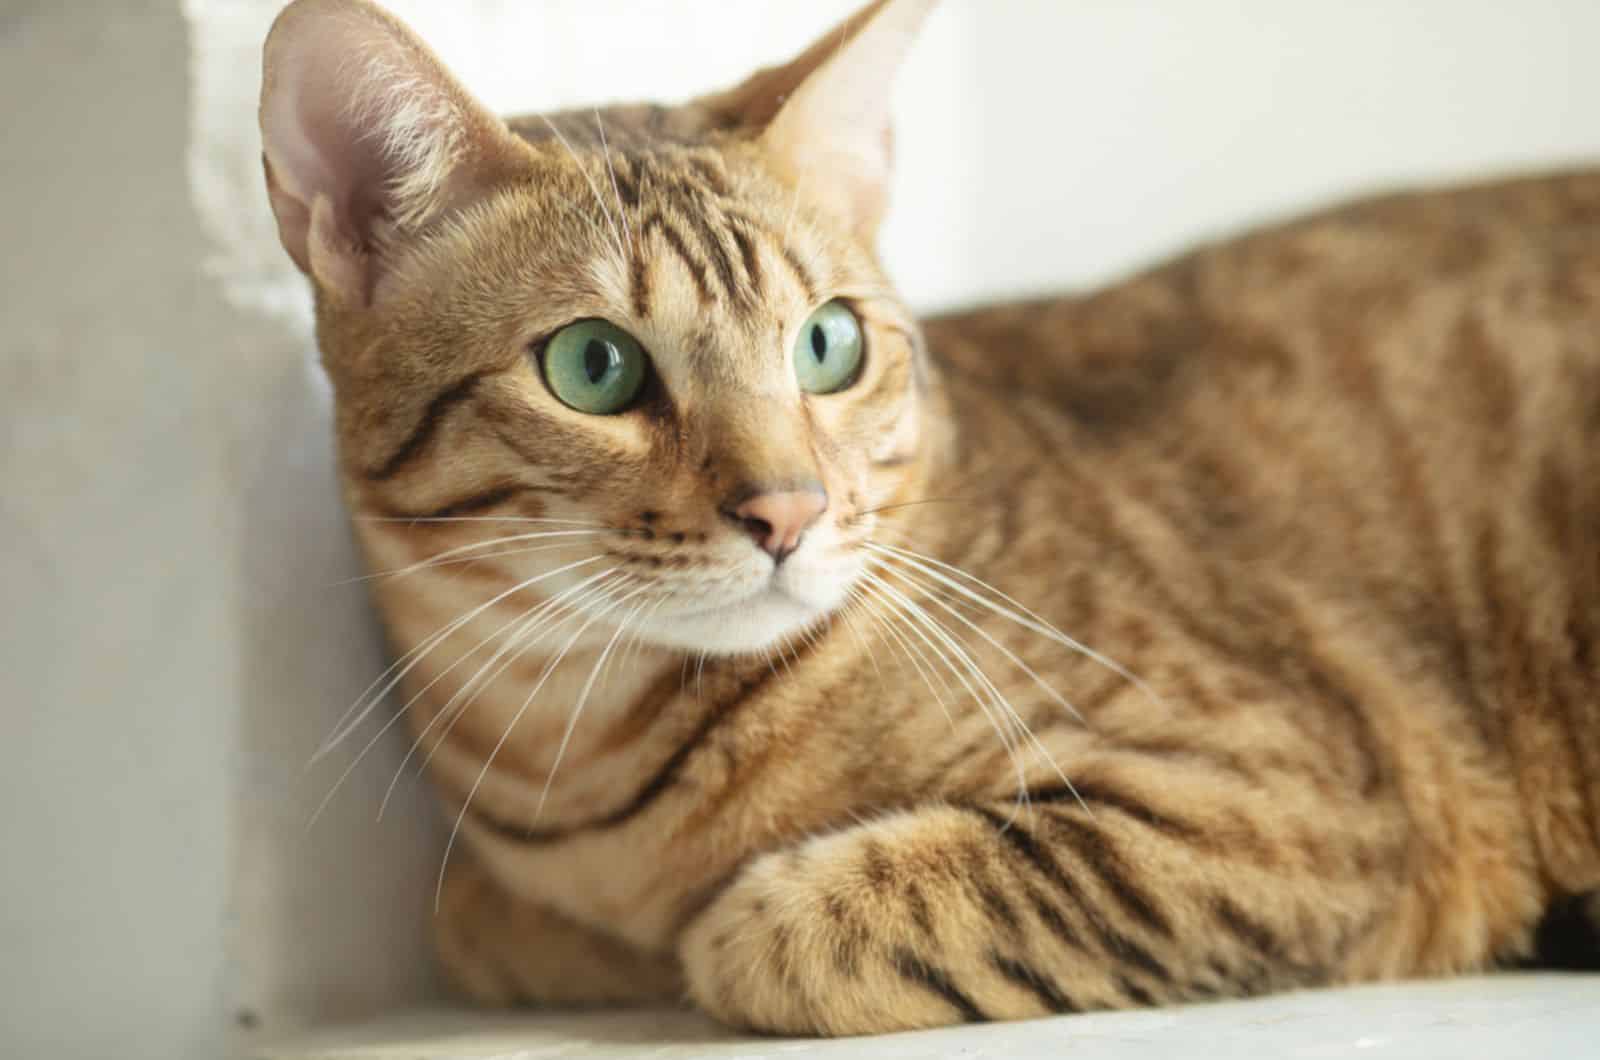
[
  {"x": 383, "y": 730},
  {"x": 478, "y": 519},
  {"x": 622, "y": 661},
  {"x": 373, "y": 694},
  {"x": 1026, "y": 618},
  {"x": 1001, "y": 702},
  {"x": 440, "y": 557},
  {"x": 949, "y": 652},
  {"x": 568, "y": 606},
  {"x": 997, "y": 699},
  {"x": 933, "y": 595},
  {"x": 588, "y": 179},
  {"x": 583, "y": 696},
  {"x": 881, "y": 628},
  {"x": 811, "y": 636},
  {"x": 529, "y": 622},
  {"x": 905, "y": 536},
  {"x": 397, "y": 715},
  {"x": 605, "y": 152},
  {"x": 905, "y": 647},
  {"x": 528, "y": 615},
  {"x": 783, "y": 653},
  {"x": 432, "y": 564},
  {"x": 637, "y": 647},
  {"x": 635, "y": 642},
  {"x": 903, "y": 505},
  {"x": 916, "y": 620},
  {"x": 555, "y": 614},
  {"x": 573, "y": 209},
  {"x": 494, "y": 752},
  {"x": 852, "y": 606}
]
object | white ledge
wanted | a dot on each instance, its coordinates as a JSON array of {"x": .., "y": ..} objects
[{"x": 1492, "y": 1017}]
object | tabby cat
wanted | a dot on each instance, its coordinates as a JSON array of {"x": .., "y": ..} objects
[{"x": 1232, "y": 629}]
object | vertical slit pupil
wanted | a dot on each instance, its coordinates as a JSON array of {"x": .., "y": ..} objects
[
  {"x": 596, "y": 359},
  {"x": 819, "y": 342}
]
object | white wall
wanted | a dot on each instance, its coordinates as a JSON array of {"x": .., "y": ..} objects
[
  {"x": 175, "y": 643},
  {"x": 117, "y": 721},
  {"x": 1154, "y": 123},
  {"x": 1042, "y": 143}
]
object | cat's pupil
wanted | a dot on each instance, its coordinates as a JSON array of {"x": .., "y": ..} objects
[
  {"x": 596, "y": 360},
  {"x": 819, "y": 343}
]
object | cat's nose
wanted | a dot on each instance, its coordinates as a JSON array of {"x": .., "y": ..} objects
[{"x": 776, "y": 519}]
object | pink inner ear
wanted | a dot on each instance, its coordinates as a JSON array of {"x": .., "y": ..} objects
[
  {"x": 312, "y": 126},
  {"x": 360, "y": 122}
]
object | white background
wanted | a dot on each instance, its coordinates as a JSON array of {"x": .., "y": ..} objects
[{"x": 174, "y": 640}]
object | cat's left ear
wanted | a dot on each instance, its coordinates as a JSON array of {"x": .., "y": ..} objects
[{"x": 825, "y": 116}]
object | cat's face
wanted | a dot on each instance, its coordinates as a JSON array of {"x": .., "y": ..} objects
[
  {"x": 734, "y": 390},
  {"x": 659, "y": 344}
]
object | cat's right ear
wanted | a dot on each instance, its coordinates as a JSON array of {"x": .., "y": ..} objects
[{"x": 366, "y": 139}]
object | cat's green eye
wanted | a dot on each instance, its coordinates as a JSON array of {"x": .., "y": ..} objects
[
  {"x": 595, "y": 367},
  {"x": 827, "y": 355}
]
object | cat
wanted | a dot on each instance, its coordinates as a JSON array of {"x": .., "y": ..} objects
[{"x": 1232, "y": 629}]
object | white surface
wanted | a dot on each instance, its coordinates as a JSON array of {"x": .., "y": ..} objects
[
  {"x": 1041, "y": 143},
  {"x": 174, "y": 642},
  {"x": 116, "y": 643},
  {"x": 1492, "y": 1019}
]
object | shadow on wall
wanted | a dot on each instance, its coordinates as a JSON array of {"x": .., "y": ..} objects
[
  {"x": 331, "y": 916},
  {"x": 328, "y": 920}
]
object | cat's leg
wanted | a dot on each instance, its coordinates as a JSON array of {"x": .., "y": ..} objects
[
  {"x": 499, "y": 950},
  {"x": 968, "y": 912}
]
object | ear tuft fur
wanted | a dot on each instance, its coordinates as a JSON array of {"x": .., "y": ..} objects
[
  {"x": 366, "y": 136},
  {"x": 419, "y": 136}
]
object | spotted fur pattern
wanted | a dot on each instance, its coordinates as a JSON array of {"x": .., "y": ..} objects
[{"x": 1321, "y": 500}]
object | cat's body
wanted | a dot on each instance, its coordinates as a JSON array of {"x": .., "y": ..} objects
[{"x": 1319, "y": 500}]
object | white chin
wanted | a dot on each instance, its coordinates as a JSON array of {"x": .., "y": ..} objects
[{"x": 751, "y": 625}]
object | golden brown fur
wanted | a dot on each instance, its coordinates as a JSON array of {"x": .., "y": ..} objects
[{"x": 1326, "y": 492}]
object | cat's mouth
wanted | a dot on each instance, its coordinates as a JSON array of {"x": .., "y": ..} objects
[
  {"x": 769, "y": 594},
  {"x": 779, "y": 606}
]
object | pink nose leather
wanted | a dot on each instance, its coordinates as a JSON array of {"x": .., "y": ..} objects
[{"x": 777, "y": 520}]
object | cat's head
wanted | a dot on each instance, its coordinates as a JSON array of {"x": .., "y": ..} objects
[{"x": 667, "y": 324}]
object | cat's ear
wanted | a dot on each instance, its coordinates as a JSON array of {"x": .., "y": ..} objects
[
  {"x": 366, "y": 138},
  {"x": 824, "y": 116}
]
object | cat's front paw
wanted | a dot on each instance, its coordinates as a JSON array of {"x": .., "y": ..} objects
[
  {"x": 845, "y": 934},
  {"x": 776, "y": 952}
]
